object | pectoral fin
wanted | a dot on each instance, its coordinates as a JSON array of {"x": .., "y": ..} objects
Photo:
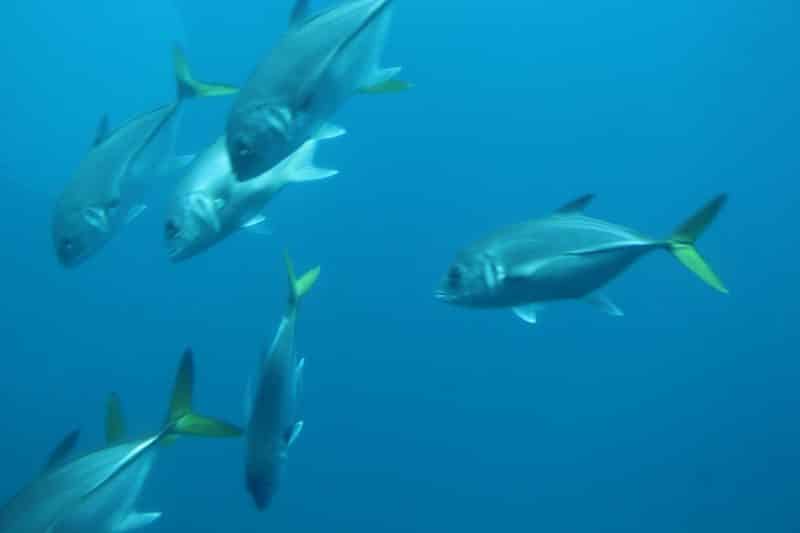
[
  {"x": 98, "y": 218},
  {"x": 134, "y": 213},
  {"x": 135, "y": 521},
  {"x": 292, "y": 433},
  {"x": 329, "y": 131},
  {"x": 298, "y": 376},
  {"x": 528, "y": 312},
  {"x": 255, "y": 221}
]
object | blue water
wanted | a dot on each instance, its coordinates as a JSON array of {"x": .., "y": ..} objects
[{"x": 679, "y": 417}]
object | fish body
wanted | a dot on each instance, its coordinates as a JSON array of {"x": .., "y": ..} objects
[
  {"x": 100, "y": 198},
  {"x": 104, "y": 193},
  {"x": 558, "y": 258},
  {"x": 98, "y": 488},
  {"x": 564, "y": 256},
  {"x": 97, "y": 491},
  {"x": 273, "y": 424},
  {"x": 209, "y": 203},
  {"x": 314, "y": 68}
]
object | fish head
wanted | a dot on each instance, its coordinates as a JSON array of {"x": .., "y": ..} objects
[
  {"x": 193, "y": 224},
  {"x": 78, "y": 233},
  {"x": 259, "y": 139},
  {"x": 472, "y": 280},
  {"x": 262, "y": 480}
]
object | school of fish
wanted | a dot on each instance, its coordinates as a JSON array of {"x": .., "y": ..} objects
[{"x": 276, "y": 121}]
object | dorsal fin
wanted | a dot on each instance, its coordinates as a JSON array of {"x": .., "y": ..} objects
[
  {"x": 115, "y": 421},
  {"x": 299, "y": 13},
  {"x": 577, "y": 205},
  {"x": 102, "y": 130},
  {"x": 62, "y": 450}
]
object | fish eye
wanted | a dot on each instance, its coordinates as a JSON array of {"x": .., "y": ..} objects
[
  {"x": 171, "y": 229},
  {"x": 67, "y": 245},
  {"x": 242, "y": 148}
]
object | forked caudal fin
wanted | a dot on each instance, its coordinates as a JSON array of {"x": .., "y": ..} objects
[
  {"x": 682, "y": 242},
  {"x": 299, "y": 287},
  {"x": 299, "y": 166},
  {"x": 181, "y": 420},
  {"x": 188, "y": 87}
]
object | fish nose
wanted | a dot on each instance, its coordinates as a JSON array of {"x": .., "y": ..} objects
[{"x": 259, "y": 491}]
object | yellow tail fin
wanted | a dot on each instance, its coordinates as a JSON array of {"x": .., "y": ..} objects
[
  {"x": 188, "y": 87},
  {"x": 181, "y": 420},
  {"x": 682, "y": 242},
  {"x": 299, "y": 287}
]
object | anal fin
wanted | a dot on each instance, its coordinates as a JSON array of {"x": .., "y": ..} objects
[
  {"x": 604, "y": 304},
  {"x": 135, "y": 521},
  {"x": 383, "y": 81}
]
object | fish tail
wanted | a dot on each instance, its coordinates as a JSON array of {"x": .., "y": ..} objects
[
  {"x": 299, "y": 287},
  {"x": 188, "y": 87},
  {"x": 682, "y": 242},
  {"x": 181, "y": 419}
]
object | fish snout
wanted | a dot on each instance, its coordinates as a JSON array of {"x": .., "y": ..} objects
[
  {"x": 260, "y": 489},
  {"x": 443, "y": 294},
  {"x": 69, "y": 252}
]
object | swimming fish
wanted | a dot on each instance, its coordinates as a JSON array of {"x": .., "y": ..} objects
[
  {"x": 103, "y": 193},
  {"x": 566, "y": 255},
  {"x": 315, "y": 67},
  {"x": 273, "y": 425},
  {"x": 210, "y": 203},
  {"x": 96, "y": 491}
]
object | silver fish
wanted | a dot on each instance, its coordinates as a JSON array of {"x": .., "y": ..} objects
[
  {"x": 318, "y": 64},
  {"x": 209, "y": 203},
  {"x": 103, "y": 194},
  {"x": 96, "y": 492},
  {"x": 273, "y": 425},
  {"x": 567, "y": 255}
]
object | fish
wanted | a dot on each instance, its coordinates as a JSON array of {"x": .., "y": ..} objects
[
  {"x": 319, "y": 62},
  {"x": 97, "y": 491},
  {"x": 209, "y": 203},
  {"x": 565, "y": 256},
  {"x": 271, "y": 403},
  {"x": 104, "y": 193}
]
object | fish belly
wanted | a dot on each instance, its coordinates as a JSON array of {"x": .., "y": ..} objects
[{"x": 572, "y": 276}]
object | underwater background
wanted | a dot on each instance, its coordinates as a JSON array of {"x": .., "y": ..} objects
[{"x": 680, "y": 416}]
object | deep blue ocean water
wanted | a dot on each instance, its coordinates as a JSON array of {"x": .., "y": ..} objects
[{"x": 680, "y": 416}]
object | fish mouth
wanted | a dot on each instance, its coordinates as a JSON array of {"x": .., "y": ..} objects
[
  {"x": 442, "y": 295},
  {"x": 71, "y": 260}
]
